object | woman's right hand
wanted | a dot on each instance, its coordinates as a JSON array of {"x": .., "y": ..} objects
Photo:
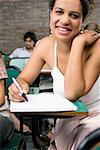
[{"x": 14, "y": 93}]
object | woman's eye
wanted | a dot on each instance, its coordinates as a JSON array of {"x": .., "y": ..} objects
[
  {"x": 59, "y": 12},
  {"x": 74, "y": 16}
]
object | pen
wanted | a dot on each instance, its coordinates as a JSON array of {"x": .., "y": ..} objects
[{"x": 19, "y": 88}]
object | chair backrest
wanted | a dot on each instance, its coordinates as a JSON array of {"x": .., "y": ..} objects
[
  {"x": 18, "y": 62},
  {"x": 12, "y": 71},
  {"x": 5, "y": 56},
  {"x": 90, "y": 140}
]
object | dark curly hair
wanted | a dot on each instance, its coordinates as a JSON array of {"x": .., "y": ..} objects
[
  {"x": 86, "y": 6},
  {"x": 30, "y": 35},
  {"x": 91, "y": 1},
  {"x": 92, "y": 26}
]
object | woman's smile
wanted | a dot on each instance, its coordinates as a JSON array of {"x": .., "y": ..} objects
[
  {"x": 65, "y": 31},
  {"x": 66, "y": 19}
]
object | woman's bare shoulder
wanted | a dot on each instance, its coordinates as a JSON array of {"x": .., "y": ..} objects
[
  {"x": 44, "y": 44},
  {"x": 44, "y": 47},
  {"x": 95, "y": 48},
  {"x": 95, "y": 52},
  {"x": 45, "y": 41},
  {"x": 97, "y": 43}
]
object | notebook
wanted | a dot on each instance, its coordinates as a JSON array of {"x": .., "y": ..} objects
[{"x": 43, "y": 102}]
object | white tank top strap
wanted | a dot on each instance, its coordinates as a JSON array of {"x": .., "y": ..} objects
[{"x": 55, "y": 54}]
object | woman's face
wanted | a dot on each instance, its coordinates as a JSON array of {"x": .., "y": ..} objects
[{"x": 66, "y": 19}]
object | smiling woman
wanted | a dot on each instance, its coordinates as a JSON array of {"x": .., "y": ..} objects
[{"x": 74, "y": 60}]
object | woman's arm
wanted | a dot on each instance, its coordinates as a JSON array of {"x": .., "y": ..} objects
[
  {"x": 27, "y": 76},
  {"x": 3, "y": 76},
  {"x": 2, "y": 92},
  {"x": 30, "y": 71},
  {"x": 81, "y": 75}
]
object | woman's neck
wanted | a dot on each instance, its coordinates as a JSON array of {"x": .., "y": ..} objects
[{"x": 64, "y": 46}]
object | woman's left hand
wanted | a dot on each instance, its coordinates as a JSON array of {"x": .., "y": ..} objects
[{"x": 87, "y": 37}]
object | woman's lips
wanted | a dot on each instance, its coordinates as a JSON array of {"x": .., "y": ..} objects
[{"x": 64, "y": 31}]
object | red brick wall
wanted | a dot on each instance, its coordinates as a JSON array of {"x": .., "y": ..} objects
[
  {"x": 20, "y": 16},
  {"x": 95, "y": 15}
]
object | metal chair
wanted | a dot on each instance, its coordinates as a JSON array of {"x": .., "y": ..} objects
[
  {"x": 91, "y": 141},
  {"x": 18, "y": 140},
  {"x": 12, "y": 71},
  {"x": 19, "y": 62}
]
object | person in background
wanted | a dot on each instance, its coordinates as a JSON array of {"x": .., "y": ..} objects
[
  {"x": 8, "y": 121},
  {"x": 74, "y": 59},
  {"x": 6, "y": 125},
  {"x": 26, "y": 51}
]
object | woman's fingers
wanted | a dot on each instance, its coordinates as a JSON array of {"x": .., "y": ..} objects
[
  {"x": 15, "y": 99},
  {"x": 90, "y": 36},
  {"x": 14, "y": 93}
]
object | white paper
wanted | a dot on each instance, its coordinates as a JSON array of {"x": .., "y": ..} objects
[{"x": 43, "y": 102}]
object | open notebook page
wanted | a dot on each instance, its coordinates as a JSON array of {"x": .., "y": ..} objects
[{"x": 43, "y": 102}]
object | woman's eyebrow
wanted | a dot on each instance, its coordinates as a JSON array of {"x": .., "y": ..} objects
[
  {"x": 75, "y": 12},
  {"x": 58, "y": 8},
  {"x": 70, "y": 11}
]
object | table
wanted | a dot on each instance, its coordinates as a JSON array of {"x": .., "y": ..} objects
[
  {"x": 82, "y": 111},
  {"x": 35, "y": 116}
]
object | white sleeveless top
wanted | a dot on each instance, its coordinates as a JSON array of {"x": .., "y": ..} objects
[{"x": 91, "y": 99}]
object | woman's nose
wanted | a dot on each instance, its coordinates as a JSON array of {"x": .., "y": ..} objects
[{"x": 65, "y": 20}]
